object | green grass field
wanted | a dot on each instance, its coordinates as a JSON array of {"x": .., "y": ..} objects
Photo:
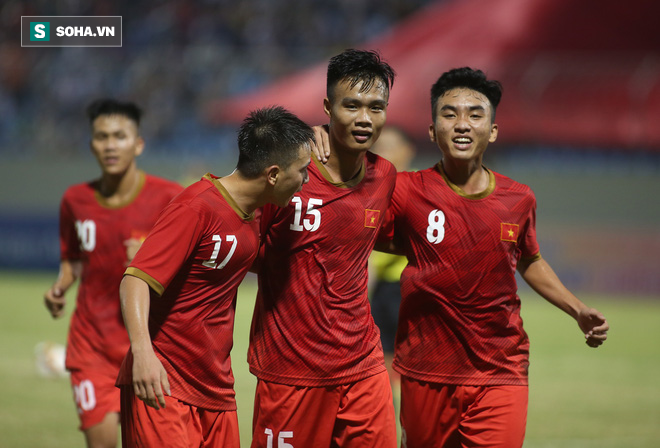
[{"x": 579, "y": 397}]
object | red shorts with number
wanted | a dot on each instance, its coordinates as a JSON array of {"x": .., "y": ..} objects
[
  {"x": 450, "y": 416},
  {"x": 354, "y": 415},
  {"x": 178, "y": 425},
  {"x": 95, "y": 394}
]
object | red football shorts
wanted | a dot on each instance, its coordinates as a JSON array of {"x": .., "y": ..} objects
[
  {"x": 450, "y": 416},
  {"x": 355, "y": 415},
  {"x": 95, "y": 394},
  {"x": 178, "y": 425}
]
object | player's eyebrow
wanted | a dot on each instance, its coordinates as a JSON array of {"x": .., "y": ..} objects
[
  {"x": 454, "y": 108},
  {"x": 350, "y": 99}
]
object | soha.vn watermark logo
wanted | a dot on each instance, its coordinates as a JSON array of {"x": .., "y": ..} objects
[{"x": 71, "y": 31}]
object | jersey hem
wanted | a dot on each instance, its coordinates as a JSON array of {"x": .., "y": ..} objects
[
  {"x": 461, "y": 381},
  {"x": 316, "y": 382}
]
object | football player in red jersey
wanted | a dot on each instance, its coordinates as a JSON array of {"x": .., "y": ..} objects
[
  {"x": 178, "y": 295},
  {"x": 102, "y": 223},
  {"x": 465, "y": 229},
  {"x": 314, "y": 346}
]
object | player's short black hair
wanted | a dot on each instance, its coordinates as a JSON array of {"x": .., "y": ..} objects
[
  {"x": 356, "y": 66},
  {"x": 470, "y": 79},
  {"x": 109, "y": 106},
  {"x": 270, "y": 136}
]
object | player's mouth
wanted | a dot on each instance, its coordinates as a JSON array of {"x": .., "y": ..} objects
[
  {"x": 462, "y": 142},
  {"x": 111, "y": 160},
  {"x": 361, "y": 136}
]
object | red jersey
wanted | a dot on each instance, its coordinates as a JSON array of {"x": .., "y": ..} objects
[
  {"x": 459, "y": 321},
  {"x": 193, "y": 260},
  {"x": 312, "y": 323},
  {"x": 94, "y": 232}
]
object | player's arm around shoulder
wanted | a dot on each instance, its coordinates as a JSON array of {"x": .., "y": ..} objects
[{"x": 541, "y": 277}]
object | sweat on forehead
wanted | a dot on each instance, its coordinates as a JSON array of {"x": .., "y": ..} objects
[
  {"x": 457, "y": 91},
  {"x": 361, "y": 86}
]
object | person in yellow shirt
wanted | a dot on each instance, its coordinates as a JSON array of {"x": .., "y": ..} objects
[{"x": 385, "y": 269}]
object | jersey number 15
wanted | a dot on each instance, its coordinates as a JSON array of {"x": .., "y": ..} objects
[{"x": 310, "y": 224}]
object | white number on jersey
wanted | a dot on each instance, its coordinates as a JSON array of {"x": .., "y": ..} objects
[
  {"x": 280, "y": 438},
  {"x": 435, "y": 232},
  {"x": 86, "y": 234},
  {"x": 85, "y": 396},
  {"x": 308, "y": 224},
  {"x": 210, "y": 263}
]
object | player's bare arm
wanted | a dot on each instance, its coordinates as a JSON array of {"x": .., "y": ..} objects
[
  {"x": 54, "y": 298},
  {"x": 541, "y": 277},
  {"x": 149, "y": 376}
]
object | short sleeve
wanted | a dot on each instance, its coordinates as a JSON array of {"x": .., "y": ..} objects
[
  {"x": 69, "y": 243},
  {"x": 529, "y": 247},
  {"x": 169, "y": 244}
]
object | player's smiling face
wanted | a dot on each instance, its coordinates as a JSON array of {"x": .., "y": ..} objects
[
  {"x": 115, "y": 143},
  {"x": 356, "y": 116},
  {"x": 463, "y": 125}
]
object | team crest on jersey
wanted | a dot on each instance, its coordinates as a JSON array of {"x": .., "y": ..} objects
[
  {"x": 509, "y": 232},
  {"x": 371, "y": 218}
]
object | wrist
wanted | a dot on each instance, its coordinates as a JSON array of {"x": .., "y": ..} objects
[{"x": 141, "y": 348}]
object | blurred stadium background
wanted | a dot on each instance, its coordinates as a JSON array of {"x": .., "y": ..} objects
[{"x": 579, "y": 121}]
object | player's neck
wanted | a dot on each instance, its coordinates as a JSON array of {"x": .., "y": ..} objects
[
  {"x": 117, "y": 189},
  {"x": 344, "y": 164},
  {"x": 470, "y": 176},
  {"x": 247, "y": 193}
]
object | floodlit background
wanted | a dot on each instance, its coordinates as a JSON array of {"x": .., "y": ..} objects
[{"x": 579, "y": 123}]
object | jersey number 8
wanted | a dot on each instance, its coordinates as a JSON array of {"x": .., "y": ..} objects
[{"x": 435, "y": 232}]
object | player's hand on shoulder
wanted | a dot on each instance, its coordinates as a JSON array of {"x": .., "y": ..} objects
[
  {"x": 321, "y": 150},
  {"x": 594, "y": 326}
]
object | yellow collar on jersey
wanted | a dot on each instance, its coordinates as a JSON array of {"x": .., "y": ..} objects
[
  {"x": 349, "y": 183},
  {"x": 458, "y": 190},
  {"x": 230, "y": 200}
]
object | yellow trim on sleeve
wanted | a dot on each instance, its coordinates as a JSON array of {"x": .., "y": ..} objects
[
  {"x": 533, "y": 257},
  {"x": 153, "y": 283}
]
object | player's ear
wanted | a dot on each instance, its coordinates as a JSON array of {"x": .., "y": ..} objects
[
  {"x": 493, "y": 133},
  {"x": 139, "y": 145},
  {"x": 432, "y": 132},
  {"x": 272, "y": 173},
  {"x": 327, "y": 107}
]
